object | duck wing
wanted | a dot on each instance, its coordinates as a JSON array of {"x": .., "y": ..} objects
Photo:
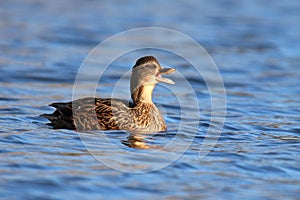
[{"x": 90, "y": 114}]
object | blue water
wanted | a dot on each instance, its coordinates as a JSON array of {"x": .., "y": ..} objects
[{"x": 255, "y": 45}]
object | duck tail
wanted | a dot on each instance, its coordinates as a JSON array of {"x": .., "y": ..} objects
[{"x": 62, "y": 117}]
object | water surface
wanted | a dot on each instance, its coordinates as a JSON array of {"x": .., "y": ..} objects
[{"x": 255, "y": 44}]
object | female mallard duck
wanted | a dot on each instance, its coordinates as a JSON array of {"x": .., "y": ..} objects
[{"x": 113, "y": 114}]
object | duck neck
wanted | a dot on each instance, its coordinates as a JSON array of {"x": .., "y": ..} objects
[{"x": 142, "y": 94}]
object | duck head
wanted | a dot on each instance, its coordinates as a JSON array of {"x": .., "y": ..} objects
[{"x": 146, "y": 73}]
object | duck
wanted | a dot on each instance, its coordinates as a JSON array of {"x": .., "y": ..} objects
[{"x": 140, "y": 115}]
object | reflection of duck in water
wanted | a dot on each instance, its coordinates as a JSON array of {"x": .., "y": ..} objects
[
  {"x": 136, "y": 141},
  {"x": 113, "y": 114}
]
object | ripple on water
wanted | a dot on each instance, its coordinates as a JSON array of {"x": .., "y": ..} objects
[{"x": 256, "y": 156}]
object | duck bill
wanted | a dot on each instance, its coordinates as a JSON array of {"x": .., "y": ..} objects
[{"x": 163, "y": 71}]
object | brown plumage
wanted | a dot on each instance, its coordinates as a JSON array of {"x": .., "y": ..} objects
[{"x": 114, "y": 114}]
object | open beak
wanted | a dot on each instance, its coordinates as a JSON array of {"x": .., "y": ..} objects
[{"x": 163, "y": 71}]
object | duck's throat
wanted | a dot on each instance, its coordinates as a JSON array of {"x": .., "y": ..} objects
[{"x": 142, "y": 94}]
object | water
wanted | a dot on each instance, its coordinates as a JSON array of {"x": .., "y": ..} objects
[{"x": 255, "y": 44}]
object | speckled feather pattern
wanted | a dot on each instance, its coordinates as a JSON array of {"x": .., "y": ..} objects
[{"x": 106, "y": 114}]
